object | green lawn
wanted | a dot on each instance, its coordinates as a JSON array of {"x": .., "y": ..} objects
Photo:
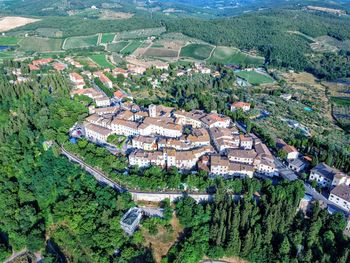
[
  {"x": 81, "y": 42},
  {"x": 196, "y": 51},
  {"x": 228, "y": 55},
  {"x": 101, "y": 60},
  {"x": 254, "y": 78},
  {"x": 40, "y": 44},
  {"x": 9, "y": 41},
  {"x": 131, "y": 47},
  {"x": 107, "y": 38},
  {"x": 116, "y": 47}
]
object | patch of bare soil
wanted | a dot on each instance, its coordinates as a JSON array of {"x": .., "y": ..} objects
[
  {"x": 164, "y": 240},
  {"x": 10, "y": 22},
  {"x": 110, "y": 15}
]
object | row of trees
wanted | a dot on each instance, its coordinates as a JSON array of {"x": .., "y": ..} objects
[{"x": 259, "y": 227}]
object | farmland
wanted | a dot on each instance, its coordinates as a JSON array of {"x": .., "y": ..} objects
[
  {"x": 129, "y": 49},
  {"x": 40, "y": 44},
  {"x": 107, "y": 38},
  {"x": 141, "y": 33},
  {"x": 49, "y": 32},
  {"x": 228, "y": 55},
  {"x": 254, "y": 77},
  {"x": 80, "y": 42},
  {"x": 9, "y": 41},
  {"x": 160, "y": 52},
  {"x": 117, "y": 47},
  {"x": 196, "y": 51},
  {"x": 101, "y": 60}
]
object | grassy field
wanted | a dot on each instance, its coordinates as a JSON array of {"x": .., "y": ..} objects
[
  {"x": 341, "y": 101},
  {"x": 40, "y": 44},
  {"x": 129, "y": 49},
  {"x": 107, "y": 38},
  {"x": 228, "y": 55},
  {"x": 196, "y": 51},
  {"x": 80, "y": 42},
  {"x": 254, "y": 77},
  {"x": 9, "y": 41},
  {"x": 116, "y": 47},
  {"x": 101, "y": 60}
]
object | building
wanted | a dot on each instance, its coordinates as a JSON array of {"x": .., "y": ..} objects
[
  {"x": 144, "y": 143},
  {"x": 245, "y": 106},
  {"x": 120, "y": 95},
  {"x": 191, "y": 118},
  {"x": 103, "y": 101},
  {"x": 131, "y": 220},
  {"x": 246, "y": 142},
  {"x": 43, "y": 61},
  {"x": 224, "y": 138},
  {"x": 241, "y": 156},
  {"x": 104, "y": 79},
  {"x": 221, "y": 165},
  {"x": 59, "y": 66},
  {"x": 119, "y": 71},
  {"x": 326, "y": 176},
  {"x": 298, "y": 165},
  {"x": 340, "y": 195},
  {"x": 77, "y": 80},
  {"x": 291, "y": 152},
  {"x": 96, "y": 133}
]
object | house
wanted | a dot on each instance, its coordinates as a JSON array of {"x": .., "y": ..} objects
[
  {"x": 77, "y": 80},
  {"x": 298, "y": 165},
  {"x": 265, "y": 166},
  {"x": 241, "y": 156},
  {"x": 43, "y": 61},
  {"x": 221, "y": 165},
  {"x": 120, "y": 95},
  {"x": 144, "y": 143},
  {"x": 215, "y": 120},
  {"x": 96, "y": 133},
  {"x": 119, "y": 71},
  {"x": 131, "y": 220},
  {"x": 103, "y": 101},
  {"x": 245, "y": 106},
  {"x": 291, "y": 151},
  {"x": 59, "y": 66},
  {"x": 189, "y": 118},
  {"x": 33, "y": 67},
  {"x": 246, "y": 142},
  {"x": 286, "y": 96},
  {"x": 328, "y": 177},
  {"x": 133, "y": 69},
  {"x": 340, "y": 195},
  {"x": 224, "y": 138},
  {"x": 104, "y": 79}
]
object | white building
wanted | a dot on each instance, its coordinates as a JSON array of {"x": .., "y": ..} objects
[
  {"x": 103, "y": 102},
  {"x": 340, "y": 195},
  {"x": 96, "y": 133}
]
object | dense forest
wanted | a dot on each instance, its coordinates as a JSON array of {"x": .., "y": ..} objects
[
  {"x": 261, "y": 226},
  {"x": 41, "y": 202}
]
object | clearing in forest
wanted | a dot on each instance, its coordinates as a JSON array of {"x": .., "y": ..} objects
[
  {"x": 196, "y": 51},
  {"x": 229, "y": 55},
  {"x": 254, "y": 77}
]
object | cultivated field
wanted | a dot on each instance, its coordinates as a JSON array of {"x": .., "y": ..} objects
[
  {"x": 141, "y": 33},
  {"x": 117, "y": 47},
  {"x": 49, "y": 32},
  {"x": 110, "y": 15},
  {"x": 160, "y": 52},
  {"x": 254, "y": 77},
  {"x": 228, "y": 55},
  {"x": 101, "y": 60},
  {"x": 107, "y": 38},
  {"x": 129, "y": 49},
  {"x": 9, "y": 41},
  {"x": 80, "y": 42},
  {"x": 196, "y": 51},
  {"x": 10, "y": 22},
  {"x": 40, "y": 44}
]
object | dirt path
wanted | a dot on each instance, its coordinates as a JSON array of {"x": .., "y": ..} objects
[
  {"x": 211, "y": 53},
  {"x": 99, "y": 39}
]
